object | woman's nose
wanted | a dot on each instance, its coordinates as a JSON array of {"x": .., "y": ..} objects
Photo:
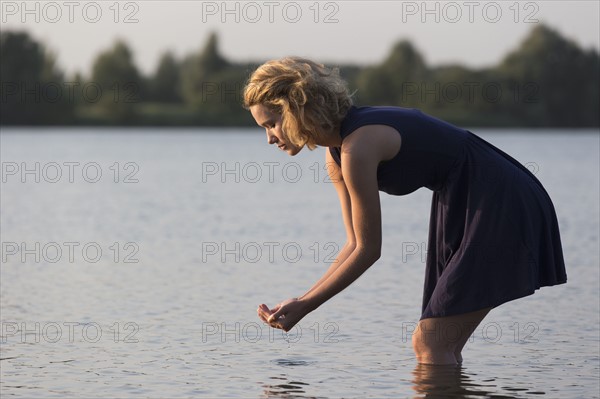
[{"x": 271, "y": 139}]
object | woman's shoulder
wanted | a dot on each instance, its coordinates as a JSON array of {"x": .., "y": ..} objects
[
  {"x": 359, "y": 116},
  {"x": 378, "y": 141}
]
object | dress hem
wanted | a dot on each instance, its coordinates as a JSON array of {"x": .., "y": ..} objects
[{"x": 492, "y": 305}]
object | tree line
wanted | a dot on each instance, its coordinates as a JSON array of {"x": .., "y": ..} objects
[{"x": 547, "y": 81}]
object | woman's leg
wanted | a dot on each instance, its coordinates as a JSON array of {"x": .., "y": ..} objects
[
  {"x": 469, "y": 331},
  {"x": 440, "y": 340}
]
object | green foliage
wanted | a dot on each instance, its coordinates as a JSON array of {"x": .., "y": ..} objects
[
  {"x": 546, "y": 81},
  {"x": 563, "y": 77},
  {"x": 386, "y": 83},
  {"x": 201, "y": 70},
  {"x": 32, "y": 90},
  {"x": 120, "y": 83},
  {"x": 166, "y": 83}
]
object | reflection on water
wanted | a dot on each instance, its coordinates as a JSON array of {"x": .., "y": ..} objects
[
  {"x": 282, "y": 387},
  {"x": 292, "y": 362},
  {"x": 431, "y": 381},
  {"x": 428, "y": 381}
]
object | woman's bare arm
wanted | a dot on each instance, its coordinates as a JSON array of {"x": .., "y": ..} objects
[
  {"x": 335, "y": 176},
  {"x": 359, "y": 165},
  {"x": 362, "y": 151}
]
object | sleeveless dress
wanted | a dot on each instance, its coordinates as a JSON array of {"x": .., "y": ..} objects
[{"x": 493, "y": 232}]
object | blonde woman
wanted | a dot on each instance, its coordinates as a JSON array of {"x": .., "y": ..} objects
[{"x": 493, "y": 232}]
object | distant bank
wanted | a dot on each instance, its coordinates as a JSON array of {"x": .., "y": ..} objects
[{"x": 547, "y": 81}]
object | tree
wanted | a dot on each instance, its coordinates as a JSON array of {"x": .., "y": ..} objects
[
  {"x": 119, "y": 83},
  {"x": 199, "y": 70},
  {"x": 32, "y": 89},
  {"x": 166, "y": 81},
  {"x": 558, "y": 79},
  {"x": 387, "y": 82}
]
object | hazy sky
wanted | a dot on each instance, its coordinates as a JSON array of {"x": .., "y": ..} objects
[{"x": 475, "y": 33}]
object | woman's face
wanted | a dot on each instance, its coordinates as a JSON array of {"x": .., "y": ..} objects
[{"x": 271, "y": 121}]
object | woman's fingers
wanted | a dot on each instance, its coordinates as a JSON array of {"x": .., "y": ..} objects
[
  {"x": 281, "y": 323},
  {"x": 263, "y": 307},
  {"x": 275, "y": 317},
  {"x": 263, "y": 312},
  {"x": 277, "y": 314},
  {"x": 275, "y": 309},
  {"x": 262, "y": 316},
  {"x": 284, "y": 315}
]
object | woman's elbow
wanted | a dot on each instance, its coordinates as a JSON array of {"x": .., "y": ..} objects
[
  {"x": 376, "y": 254},
  {"x": 370, "y": 252},
  {"x": 351, "y": 245}
]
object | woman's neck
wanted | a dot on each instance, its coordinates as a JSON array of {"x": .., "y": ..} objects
[{"x": 331, "y": 139}]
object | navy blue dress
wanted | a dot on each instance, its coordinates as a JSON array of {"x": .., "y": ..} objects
[{"x": 493, "y": 231}]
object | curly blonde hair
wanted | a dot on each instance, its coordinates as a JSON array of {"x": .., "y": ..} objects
[{"x": 311, "y": 98}]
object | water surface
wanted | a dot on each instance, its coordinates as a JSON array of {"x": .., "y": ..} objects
[{"x": 146, "y": 278}]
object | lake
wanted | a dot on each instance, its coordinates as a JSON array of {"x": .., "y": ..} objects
[{"x": 133, "y": 261}]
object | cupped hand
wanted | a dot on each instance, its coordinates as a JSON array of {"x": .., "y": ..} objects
[
  {"x": 264, "y": 312},
  {"x": 284, "y": 315}
]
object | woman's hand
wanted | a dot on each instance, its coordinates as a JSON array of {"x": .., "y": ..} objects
[{"x": 284, "y": 315}]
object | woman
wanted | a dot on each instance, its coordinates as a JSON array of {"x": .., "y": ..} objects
[{"x": 493, "y": 233}]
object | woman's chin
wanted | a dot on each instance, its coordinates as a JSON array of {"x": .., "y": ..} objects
[{"x": 293, "y": 151}]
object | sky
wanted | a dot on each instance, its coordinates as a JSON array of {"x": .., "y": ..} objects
[{"x": 472, "y": 33}]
